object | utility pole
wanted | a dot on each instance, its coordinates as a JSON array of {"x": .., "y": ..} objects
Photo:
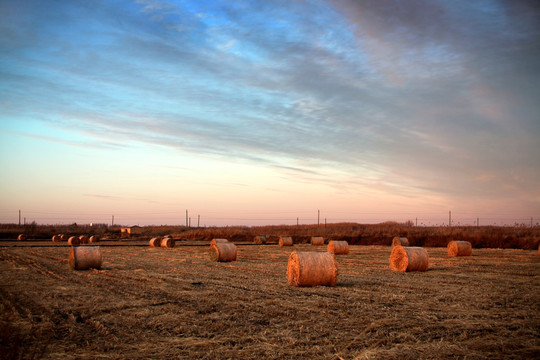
[
  {"x": 531, "y": 221},
  {"x": 477, "y": 222},
  {"x": 186, "y": 218},
  {"x": 324, "y": 222},
  {"x": 450, "y": 218},
  {"x": 198, "y": 220},
  {"x": 189, "y": 222},
  {"x": 296, "y": 222},
  {"x": 112, "y": 221},
  {"x": 318, "y": 217},
  {"x": 416, "y": 222},
  {"x": 19, "y": 217}
]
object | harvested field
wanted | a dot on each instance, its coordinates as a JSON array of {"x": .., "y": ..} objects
[{"x": 159, "y": 303}]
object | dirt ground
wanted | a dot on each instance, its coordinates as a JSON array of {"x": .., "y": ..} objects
[{"x": 157, "y": 303}]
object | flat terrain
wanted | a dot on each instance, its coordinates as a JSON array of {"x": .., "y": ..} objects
[{"x": 157, "y": 303}]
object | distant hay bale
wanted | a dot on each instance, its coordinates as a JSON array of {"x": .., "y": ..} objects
[
  {"x": 259, "y": 239},
  {"x": 317, "y": 240},
  {"x": 223, "y": 252},
  {"x": 167, "y": 242},
  {"x": 63, "y": 237},
  {"x": 155, "y": 242},
  {"x": 21, "y": 237},
  {"x": 409, "y": 259},
  {"x": 168, "y": 236},
  {"x": 312, "y": 269},
  {"x": 400, "y": 241},
  {"x": 93, "y": 239},
  {"x": 338, "y": 247},
  {"x": 285, "y": 241},
  {"x": 74, "y": 241},
  {"x": 56, "y": 238},
  {"x": 85, "y": 257},
  {"x": 215, "y": 241},
  {"x": 83, "y": 239},
  {"x": 459, "y": 248}
]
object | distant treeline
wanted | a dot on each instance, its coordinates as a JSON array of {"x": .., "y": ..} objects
[{"x": 356, "y": 234}]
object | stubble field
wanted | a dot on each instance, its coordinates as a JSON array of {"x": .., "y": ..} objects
[{"x": 158, "y": 303}]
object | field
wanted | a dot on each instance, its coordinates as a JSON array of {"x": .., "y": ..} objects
[{"x": 157, "y": 303}]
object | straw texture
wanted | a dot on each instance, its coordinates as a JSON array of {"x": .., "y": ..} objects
[
  {"x": 85, "y": 257},
  {"x": 338, "y": 247},
  {"x": 459, "y": 248},
  {"x": 312, "y": 269},
  {"x": 409, "y": 259},
  {"x": 155, "y": 242},
  {"x": 400, "y": 241},
  {"x": 317, "y": 241},
  {"x": 285, "y": 241},
  {"x": 167, "y": 242},
  {"x": 222, "y": 252}
]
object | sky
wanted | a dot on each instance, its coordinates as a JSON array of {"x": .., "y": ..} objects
[{"x": 270, "y": 112}]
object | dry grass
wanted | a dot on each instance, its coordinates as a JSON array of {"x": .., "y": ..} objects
[{"x": 175, "y": 303}]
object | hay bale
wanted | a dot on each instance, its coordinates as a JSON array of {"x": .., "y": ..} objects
[
  {"x": 285, "y": 241},
  {"x": 93, "y": 239},
  {"x": 83, "y": 239},
  {"x": 317, "y": 240},
  {"x": 222, "y": 252},
  {"x": 312, "y": 269},
  {"x": 400, "y": 241},
  {"x": 259, "y": 239},
  {"x": 56, "y": 238},
  {"x": 64, "y": 237},
  {"x": 409, "y": 259},
  {"x": 459, "y": 248},
  {"x": 85, "y": 257},
  {"x": 338, "y": 247},
  {"x": 74, "y": 241},
  {"x": 21, "y": 237},
  {"x": 155, "y": 242},
  {"x": 167, "y": 242},
  {"x": 215, "y": 241}
]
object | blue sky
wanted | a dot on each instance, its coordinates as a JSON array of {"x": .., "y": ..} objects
[{"x": 264, "y": 111}]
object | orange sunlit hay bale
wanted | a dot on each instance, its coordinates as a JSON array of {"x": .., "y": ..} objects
[
  {"x": 83, "y": 239},
  {"x": 215, "y": 241},
  {"x": 312, "y": 269},
  {"x": 155, "y": 242},
  {"x": 285, "y": 241},
  {"x": 167, "y": 242},
  {"x": 56, "y": 238},
  {"x": 74, "y": 241},
  {"x": 85, "y": 257},
  {"x": 338, "y": 247},
  {"x": 400, "y": 241},
  {"x": 459, "y": 248},
  {"x": 259, "y": 239},
  {"x": 317, "y": 241},
  {"x": 409, "y": 259},
  {"x": 222, "y": 252},
  {"x": 64, "y": 237},
  {"x": 21, "y": 237},
  {"x": 93, "y": 239}
]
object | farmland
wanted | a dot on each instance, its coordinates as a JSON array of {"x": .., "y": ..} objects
[{"x": 157, "y": 303}]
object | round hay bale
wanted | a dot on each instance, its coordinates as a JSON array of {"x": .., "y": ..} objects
[
  {"x": 317, "y": 240},
  {"x": 259, "y": 239},
  {"x": 459, "y": 248},
  {"x": 93, "y": 239},
  {"x": 338, "y": 247},
  {"x": 83, "y": 239},
  {"x": 167, "y": 242},
  {"x": 409, "y": 259},
  {"x": 74, "y": 241},
  {"x": 168, "y": 237},
  {"x": 223, "y": 252},
  {"x": 400, "y": 241},
  {"x": 155, "y": 242},
  {"x": 215, "y": 241},
  {"x": 312, "y": 269},
  {"x": 285, "y": 241},
  {"x": 21, "y": 237},
  {"x": 63, "y": 237},
  {"x": 56, "y": 238},
  {"x": 85, "y": 257}
]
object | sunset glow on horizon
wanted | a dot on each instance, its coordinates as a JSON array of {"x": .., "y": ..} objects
[{"x": 270, "y": 112}]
